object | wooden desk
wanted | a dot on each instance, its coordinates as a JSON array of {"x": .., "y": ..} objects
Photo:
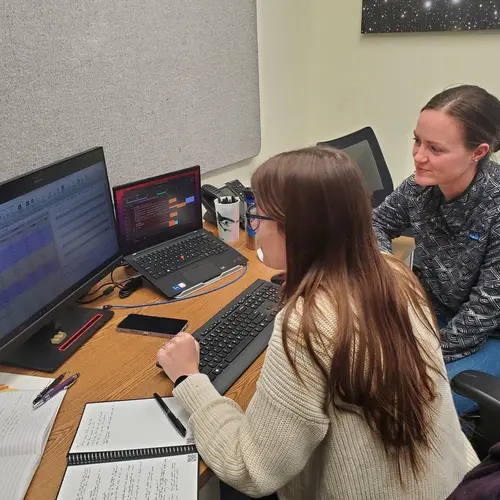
[{"x": 116, "y": 366}]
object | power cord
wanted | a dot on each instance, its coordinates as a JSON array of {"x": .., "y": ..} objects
[
  {"x": 133, "y": 284},
  {"x": 106, "y": 291},
  {"x": 122, "y": 285},
  {"x": 118, "y": 306}
]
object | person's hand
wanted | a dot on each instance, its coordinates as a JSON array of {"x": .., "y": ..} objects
[{"x": 179, "y": 356}]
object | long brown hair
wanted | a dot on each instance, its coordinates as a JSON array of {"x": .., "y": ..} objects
[{"x": 318, "y": 197}]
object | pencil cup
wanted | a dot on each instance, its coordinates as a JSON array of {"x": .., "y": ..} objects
[{"x": 227, "y": 209}]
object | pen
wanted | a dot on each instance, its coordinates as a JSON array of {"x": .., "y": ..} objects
[
  {"x": 48, "y": 388},
  {"x": 177, "y": 423},
  {"x": 58, "y": 388}
]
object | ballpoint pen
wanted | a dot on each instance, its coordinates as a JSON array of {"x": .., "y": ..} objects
[
  {"x": 48, "y": 388},
  {"x": 177, "y": 423},
  {"x": 65, "y": 385}
]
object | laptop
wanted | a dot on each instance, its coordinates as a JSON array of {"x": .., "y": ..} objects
[{"x": 161, "y": 234}]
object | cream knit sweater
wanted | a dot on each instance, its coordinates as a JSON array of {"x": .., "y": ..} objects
[{"x": 286, "y": 442}]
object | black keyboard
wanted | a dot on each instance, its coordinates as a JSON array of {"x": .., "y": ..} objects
[
  {"x": 232, "y": 340},
  {"x": 164, "y": 260}
]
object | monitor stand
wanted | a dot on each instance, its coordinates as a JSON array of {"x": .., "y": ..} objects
[{"x": 54, "y": 343}]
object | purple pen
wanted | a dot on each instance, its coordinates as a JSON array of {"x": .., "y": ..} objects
[{"x": 58, "y": 388}]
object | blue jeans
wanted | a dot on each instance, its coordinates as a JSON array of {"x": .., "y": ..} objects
[{"x": 487, "y": 360}]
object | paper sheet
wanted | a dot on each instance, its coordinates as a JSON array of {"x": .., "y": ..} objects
[
  {"x": 23, "y": 430},
  {"x": 23, "y": 435},
  {"x": 129, "y": 425},
  {"x": 15, "y": 475},
  {"x": 15, "y": 382},
  {"x": 169, "y": 478}
]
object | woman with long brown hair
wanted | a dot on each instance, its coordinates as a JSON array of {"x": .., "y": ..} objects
[{"x": 353, "y": 400}]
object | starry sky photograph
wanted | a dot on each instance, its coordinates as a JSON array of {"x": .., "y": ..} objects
[{"x": 403, "y": 16}]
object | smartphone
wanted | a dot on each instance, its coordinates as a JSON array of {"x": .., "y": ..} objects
[{"x": 152, "y": 325}]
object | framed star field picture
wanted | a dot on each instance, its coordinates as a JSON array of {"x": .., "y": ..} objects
[{"x": 403, "y": 16}]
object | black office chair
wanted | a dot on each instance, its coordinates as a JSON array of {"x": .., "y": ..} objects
[
  {"x": 484, "y": 389},
  {"x": 362, "y": 146}
]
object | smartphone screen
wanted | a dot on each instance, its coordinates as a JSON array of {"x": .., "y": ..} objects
[{"x": 140, "y": 323}]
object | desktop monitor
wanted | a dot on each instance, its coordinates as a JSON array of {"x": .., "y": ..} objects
[{"x": 57, "y": 239}]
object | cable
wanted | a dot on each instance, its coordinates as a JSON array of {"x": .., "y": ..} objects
[
  {"x": 116, "y": 284},
  {"x": 106, "y": 291},
  {"x": 112, "y": 282},
  {"x": 98, "y": 288},
  {"x": 111, "y": 287},
  {"x": 134, "y": 284},
  {"x": 109, "y": 290},
  {"x": 112, "y": 306}
]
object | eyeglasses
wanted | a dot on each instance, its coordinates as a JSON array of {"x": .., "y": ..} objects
[{"x": 253, "y": 218}]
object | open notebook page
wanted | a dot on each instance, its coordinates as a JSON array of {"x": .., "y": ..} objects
[
  {"x": 16, "y": 473},
  {"x": 17, "y": 382},
  {"x": 129, "y": 425},
  {"x": 169, "y": 478},
  {"x": 23, "y": 435},
  {"x": 23, "y": 430}
]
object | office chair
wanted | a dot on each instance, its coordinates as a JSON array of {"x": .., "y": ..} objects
[
  {"x": 484, "y": 389},
  {"x": 362, "y": 146}
]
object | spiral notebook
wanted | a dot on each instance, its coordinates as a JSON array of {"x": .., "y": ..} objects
[{"x": 130, "y": 450}]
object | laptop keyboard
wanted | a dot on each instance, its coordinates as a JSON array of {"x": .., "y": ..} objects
[
  {"x": 232, "y": 340},
  {"x": 162, "y": 261}
]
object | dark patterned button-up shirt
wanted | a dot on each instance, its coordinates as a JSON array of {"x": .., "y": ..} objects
[{"x": 458, "y": 254}]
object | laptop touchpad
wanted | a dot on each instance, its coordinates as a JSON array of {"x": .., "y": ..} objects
[{"x": 201, "y": 273}]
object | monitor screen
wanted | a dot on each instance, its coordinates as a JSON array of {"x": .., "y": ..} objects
[
  {"x": 57, "y": 230},
  {"x": 155, "y": 210}
]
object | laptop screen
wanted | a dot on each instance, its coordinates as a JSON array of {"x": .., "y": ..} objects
[{"x": 155, "y": 210}]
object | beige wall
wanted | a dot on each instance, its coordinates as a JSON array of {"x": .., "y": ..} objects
[
  {"x": 383, "y": 80},
  {"x": 284, "y": 37},
  {"x": 320, "y": 78}
]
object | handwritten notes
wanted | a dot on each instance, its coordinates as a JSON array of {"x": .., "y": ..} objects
[
  {"x": 129, "y": 425},
  {"x": 23, "y": 435},
  {"x": 169, "y": 478}
]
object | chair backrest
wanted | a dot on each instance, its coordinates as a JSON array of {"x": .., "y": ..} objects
[{"x": 362, "y": 146}]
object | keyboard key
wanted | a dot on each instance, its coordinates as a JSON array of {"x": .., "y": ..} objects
[{"x": 235, "y": 352}]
